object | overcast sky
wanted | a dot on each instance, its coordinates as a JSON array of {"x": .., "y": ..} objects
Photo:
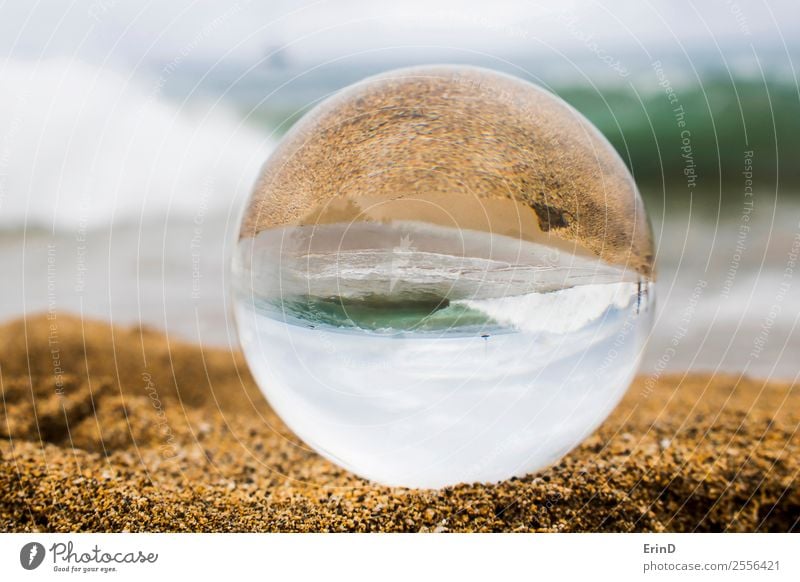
[{"x": 131, "y": 31}]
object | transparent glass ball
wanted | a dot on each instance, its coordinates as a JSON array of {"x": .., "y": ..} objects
[{"x": 443, "y": 275}]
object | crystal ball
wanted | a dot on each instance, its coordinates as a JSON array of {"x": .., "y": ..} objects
[{"x": 443, "y": 275}]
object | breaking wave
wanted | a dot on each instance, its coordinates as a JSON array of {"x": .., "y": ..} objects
[{"x": 85, "y": 147}]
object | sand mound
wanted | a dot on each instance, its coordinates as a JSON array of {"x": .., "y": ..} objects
[{"x": 109, "y": 429}]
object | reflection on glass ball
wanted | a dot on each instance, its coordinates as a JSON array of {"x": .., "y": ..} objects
[{"x": 443, "y": 275}]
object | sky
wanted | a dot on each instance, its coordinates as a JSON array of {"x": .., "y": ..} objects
[{"x": 135, "y": 32}]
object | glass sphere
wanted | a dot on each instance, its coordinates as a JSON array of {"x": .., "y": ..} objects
[{"x": 443, "y": 275}]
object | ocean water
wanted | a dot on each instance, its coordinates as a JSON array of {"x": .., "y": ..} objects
[{"x": 420, "y": 368}]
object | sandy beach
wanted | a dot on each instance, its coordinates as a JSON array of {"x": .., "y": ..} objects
[{"x": 120, "y": 429}]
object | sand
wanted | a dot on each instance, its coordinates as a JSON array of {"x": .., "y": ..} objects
[
  {"x": 435, "y": 142},
  {"x": 134, "y": 432}
]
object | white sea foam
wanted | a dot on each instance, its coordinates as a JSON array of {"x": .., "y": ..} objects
[
  {"x": 367, "y": 259},
  {"x": 82, "y": 146},
  {"x": 561, "y": 311}
]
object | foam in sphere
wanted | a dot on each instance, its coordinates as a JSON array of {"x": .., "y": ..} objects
[{"x": 444, "y": 275}]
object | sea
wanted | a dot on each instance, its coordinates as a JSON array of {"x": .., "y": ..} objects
[{"x": 120, "y": 200}]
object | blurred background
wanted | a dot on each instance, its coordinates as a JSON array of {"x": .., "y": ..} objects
[{"x": 131, "y": 133}]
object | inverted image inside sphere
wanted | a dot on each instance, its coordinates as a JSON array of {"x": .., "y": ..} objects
[
  {"x": 444, "y": 274},
  {"x": 446, "y": 134}
]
